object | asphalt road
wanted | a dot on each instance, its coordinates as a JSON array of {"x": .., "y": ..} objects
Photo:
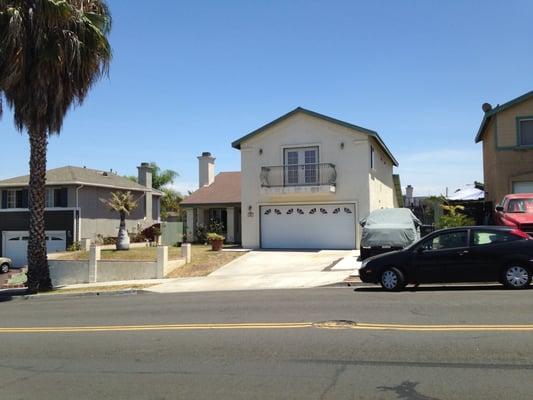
[{"x": 265, "y": 345}]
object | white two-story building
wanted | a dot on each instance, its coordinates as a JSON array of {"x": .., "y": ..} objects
[{"x": 306, "y": 179}]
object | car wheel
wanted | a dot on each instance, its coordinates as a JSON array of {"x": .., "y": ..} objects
[
  {"x": 392, "y": 279},
  {"x": 516, "y": 277},
  {"x": 4, "y": 268}
]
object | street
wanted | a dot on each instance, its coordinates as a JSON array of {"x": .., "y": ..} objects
[{"x": 432, "y": 343}]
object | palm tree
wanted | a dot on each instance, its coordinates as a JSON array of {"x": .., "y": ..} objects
[
  {"x": 123, "y": 203},
  {"x": 51, "y": 53}
]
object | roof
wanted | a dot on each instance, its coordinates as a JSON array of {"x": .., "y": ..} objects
[
  {"x": 226, "y": 189},
  {"x": 70, "y": 175},
  {"x": 467, "y": 192},
  {"x": 237, "y": 143},
  {"x": 520, "y": 196},
  {"x": 497, "y": 109}
]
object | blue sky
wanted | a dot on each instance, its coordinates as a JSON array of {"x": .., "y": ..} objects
[{"x": 189, "y": 77}]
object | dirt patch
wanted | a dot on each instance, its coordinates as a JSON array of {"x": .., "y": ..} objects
[{"x": 204, "y": 261}]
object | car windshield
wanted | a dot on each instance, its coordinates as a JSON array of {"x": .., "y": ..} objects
[{"x": 520, "y": 206}]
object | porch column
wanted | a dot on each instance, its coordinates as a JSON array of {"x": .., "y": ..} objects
[
  {"x": 230, "y": 229},
  {"x": 190, "y": 225}
]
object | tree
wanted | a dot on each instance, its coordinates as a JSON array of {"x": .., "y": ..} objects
[
  {"x": 453, "y": 217},
  {"x": 124, "y": 204},
  {"x": 51, "y": 54},
  {"x": 160, "y": 178},
  {"x": 170, "y": 202}
]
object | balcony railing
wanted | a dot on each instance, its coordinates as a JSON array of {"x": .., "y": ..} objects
[{"x": 299, "y": 175}]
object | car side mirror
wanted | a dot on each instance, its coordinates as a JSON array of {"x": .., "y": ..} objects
[
  {"x": 499, "y": 208},
  {"x": 420, "y": 250}
]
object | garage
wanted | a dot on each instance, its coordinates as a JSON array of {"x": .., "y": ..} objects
[
  {"x": 523, "y": 187},
  {"x": 317, "y": 226},
  {"x": 15, "y": 244}
]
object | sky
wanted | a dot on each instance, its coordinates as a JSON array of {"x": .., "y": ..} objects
[{"x": 188, "y": 77}]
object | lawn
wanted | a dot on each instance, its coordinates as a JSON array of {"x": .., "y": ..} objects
[
  {"x": 204, "y": 261},
  {"x": 138, "y": 254}
]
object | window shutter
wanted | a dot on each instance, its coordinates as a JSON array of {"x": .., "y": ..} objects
[
  {"x": 63, "y": 197},
  {"x": 18, "y": 198},
  {"x": 24, "y": 198},
  {"x": 4, "y": 198}
]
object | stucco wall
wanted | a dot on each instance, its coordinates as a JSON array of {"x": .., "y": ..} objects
[
  {"x": 381, "y": 185},
  {"x": 352, "y": 165},
  {"x": 504, "y": 164},
  {"x": 68, "y": 272}
]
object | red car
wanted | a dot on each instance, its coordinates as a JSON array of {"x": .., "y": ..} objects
[{"x": 516, "y": 210}]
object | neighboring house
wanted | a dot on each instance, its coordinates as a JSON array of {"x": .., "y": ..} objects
[
  {"x": 75, "y": 208},
  {"x": 307, "y": 179},
  {"x": 217, "y": 199},
  {"x": 507, "y": 134}
]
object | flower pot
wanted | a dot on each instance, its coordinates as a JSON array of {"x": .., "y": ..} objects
[{"x": 216, "y": 245}]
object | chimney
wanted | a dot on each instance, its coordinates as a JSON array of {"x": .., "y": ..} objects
[
  {"x": 206, "y": 169},
  {"x": 409, "y": 195},
  {"x": 144, "y": 176}
]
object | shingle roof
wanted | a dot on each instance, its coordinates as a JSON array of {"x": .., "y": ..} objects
[
  {"x": 80, "y": 176},
  {"x": 497, "y": 109},
  {"x": 226, "y": 189},
  {"x": 237, "y": 143}
]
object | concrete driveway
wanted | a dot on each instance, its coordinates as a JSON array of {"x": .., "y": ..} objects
[{"x": 272, "y": 270}]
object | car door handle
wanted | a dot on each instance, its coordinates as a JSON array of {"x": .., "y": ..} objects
[{"x": 463, "y": 253}]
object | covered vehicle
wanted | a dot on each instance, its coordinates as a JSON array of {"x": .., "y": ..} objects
[{"x": 387, "y": 230}]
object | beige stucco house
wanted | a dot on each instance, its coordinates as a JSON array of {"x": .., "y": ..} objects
[
  {"x": 507, "y": 135},
  {"x": 306, "y": 180}
]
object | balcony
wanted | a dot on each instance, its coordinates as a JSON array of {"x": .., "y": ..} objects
[{"x": 301, "y": 178}]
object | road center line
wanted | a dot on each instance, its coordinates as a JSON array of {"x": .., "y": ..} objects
[{"x": 271, "y": 325}]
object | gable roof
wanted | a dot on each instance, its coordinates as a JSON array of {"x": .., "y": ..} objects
[
  {"x": 497, "y": 109},
  {"x": 70, "y": 175},
  {"x": 237, "y": 143},
  {"x": 226, "y": 189}
]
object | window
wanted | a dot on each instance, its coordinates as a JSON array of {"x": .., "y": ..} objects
[
  {"x": 11, "y": 199},
  {"x": 481, "y": 238},
  {"x": 301, "y": 166},
  {"x": 14, "y": 198},
  {"x": 520, "y": 206},
  {"x": 57, "y": 197},
  {"x": 525, "y": 132},
  {"x": 372, "y": 158},
  {"x": 450, "y": 240},
  {"x": 219, "y": 216}
]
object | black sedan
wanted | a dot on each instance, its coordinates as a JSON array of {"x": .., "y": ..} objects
[{"x": 467, "y": 254}]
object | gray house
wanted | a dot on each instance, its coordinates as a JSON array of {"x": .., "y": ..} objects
[{"x": 74, "y": 208}]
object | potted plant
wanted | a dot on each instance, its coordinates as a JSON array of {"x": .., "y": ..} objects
[
  {"x": 124, "y": 204},
  {"x": 216, "y": 240}
]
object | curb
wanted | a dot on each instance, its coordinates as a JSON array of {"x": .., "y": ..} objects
[{"x": 21, "y": 296}]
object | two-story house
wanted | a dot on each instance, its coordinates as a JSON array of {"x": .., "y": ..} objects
[
  {"x": 75, "y": 208},
  {"x": 307, "y": 178},
  {"x": 507, "y": 135}
]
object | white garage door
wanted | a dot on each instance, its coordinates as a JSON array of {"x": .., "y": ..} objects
[
  {"x": 15, "y": 244},
  {"x": 523, "y": 187},
  {"x": 323, "y": 226}
]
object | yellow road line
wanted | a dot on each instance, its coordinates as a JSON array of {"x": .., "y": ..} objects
[{"x": 271, "y": 325}]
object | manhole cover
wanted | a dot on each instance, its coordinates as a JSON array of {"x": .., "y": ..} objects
[{"x": 336, "y": 324}]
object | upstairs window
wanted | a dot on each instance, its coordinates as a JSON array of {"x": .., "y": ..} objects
[
  {"x": 525, "y": 132},
  {"x": 15, "y": 198},
  {"x": 56, "y": 197},
  {"x": 372, "y": 158}
]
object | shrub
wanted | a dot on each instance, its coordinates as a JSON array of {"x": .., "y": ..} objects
[
  {"x": 74, "y": 247},
  {"x": 454, "y": 218},
  {"x": 211, "y": 236}
]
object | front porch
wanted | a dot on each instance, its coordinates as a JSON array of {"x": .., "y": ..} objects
[{"x": 202, "y": 216}]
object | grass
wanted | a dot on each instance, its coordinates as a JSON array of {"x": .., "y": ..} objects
[
  {"x": 138, "y": 254},
  {"x": 204, "y": 261}
]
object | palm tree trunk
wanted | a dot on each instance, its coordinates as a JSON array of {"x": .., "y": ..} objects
[{"x": 38, "y": 272}]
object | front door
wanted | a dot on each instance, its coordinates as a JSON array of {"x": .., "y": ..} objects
[{"x": 301, "y": 166}]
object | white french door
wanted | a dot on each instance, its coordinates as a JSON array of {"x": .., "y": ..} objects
[{"x": 301, "y": 166}]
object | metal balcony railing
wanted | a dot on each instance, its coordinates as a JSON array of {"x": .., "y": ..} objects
[{"x": 298, "y": 175}]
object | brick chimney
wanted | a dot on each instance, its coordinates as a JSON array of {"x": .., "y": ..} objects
[{"x": 206, "y": 169}]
